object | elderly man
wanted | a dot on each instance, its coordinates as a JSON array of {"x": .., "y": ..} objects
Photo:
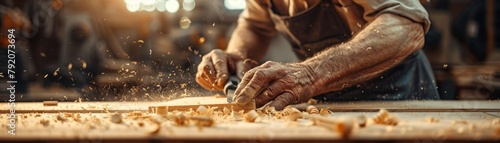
[{"x": 350, "y": 50}]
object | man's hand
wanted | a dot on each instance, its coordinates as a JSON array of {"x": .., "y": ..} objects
[
  {"x": 217, "y": 65},
  {"x": 284, "y": 83}
]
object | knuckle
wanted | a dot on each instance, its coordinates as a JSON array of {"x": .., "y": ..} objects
[
  {"x": 260, "y": 74},
  {"x": 269, "y": 63},
  {"x": 216, "y": 51},
  {"x": 219, "y": 62},
  {"x": 207, "y": 56},
  {"x": 247, "y": 77}
]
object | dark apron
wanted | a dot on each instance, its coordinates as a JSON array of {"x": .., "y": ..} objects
[{"x": 320, "y": 26}]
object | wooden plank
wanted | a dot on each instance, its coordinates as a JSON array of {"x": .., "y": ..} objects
[
  {"x": 410, "y": 106},
  {"x": 194, "y": 102},
  {"x": 121, "y": 107},
  {"x": 450, "y": 126}
]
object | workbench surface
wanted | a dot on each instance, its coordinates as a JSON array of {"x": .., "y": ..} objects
[{"x": 419, "y": 121}]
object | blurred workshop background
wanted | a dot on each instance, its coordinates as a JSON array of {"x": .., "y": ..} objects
[{"x": 148, "y": 50}]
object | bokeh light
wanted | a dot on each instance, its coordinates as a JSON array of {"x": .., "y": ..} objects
[
  {"x": 188, "y": 5},
  {"x": 172, "y": 6}
]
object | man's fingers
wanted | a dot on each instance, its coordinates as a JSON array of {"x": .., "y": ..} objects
[
  {"x": 244, "y": 81},
  {"x": 275, "y": 89},
  {"x": 254, "y": 85},
  {"x": 283, "y": 100},
  {"x": 244, "y": 66},
  {"x": 206, "y": 67},
  {"x": 219, "y": 61},
  {"x": 201, "y": 79}
]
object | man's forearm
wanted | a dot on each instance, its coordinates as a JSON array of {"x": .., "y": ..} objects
[
  {"x": 248, "y": 43},
  {"x": 383, "y": 44}
]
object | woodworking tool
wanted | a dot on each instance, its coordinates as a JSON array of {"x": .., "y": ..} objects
[{"x": 230, "y": 87}]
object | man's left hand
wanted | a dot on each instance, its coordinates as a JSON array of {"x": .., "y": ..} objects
[{"x": 283, "y": 84}]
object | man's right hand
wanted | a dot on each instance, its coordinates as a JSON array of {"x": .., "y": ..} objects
[{"x": 217, "y": 65}]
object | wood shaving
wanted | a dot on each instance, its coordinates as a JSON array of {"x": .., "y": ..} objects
[
  {"x": 61, "y": 117},
  {"x": 105, "y": 110},
  {"x": 226, "y": 111},
  {"x": 384, "y": 118},
  {"x": 294, "y": 116},
  {"x": 312, "y": 109},
  {"x": 312, "y": 101},
  {"x": 270, "y": 110},
  {"x": 324, "y": 112},
  {"x": 251, "y": 116},
  {"x": 343, "y": 125},
  {"x": 202, "y": 121},
  {"x": 156, "y": 130},
  {"x": 180, "y": 120},
  {"x": 201, "y": 109},
  {"x": 361, "y": 120},
  {"x": 45, "y": 122},
  {"x": 117, "y": 118},
  {"x": 237, "y": 115},
  {"x": 288, "y": 110}
]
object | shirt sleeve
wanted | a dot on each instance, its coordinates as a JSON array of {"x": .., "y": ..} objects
[
  {"x": 411, "y": 9},
  {"x": 256, "y": 16}
]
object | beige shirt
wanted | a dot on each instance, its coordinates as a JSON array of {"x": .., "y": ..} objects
[{"x": 356, "y": 13}]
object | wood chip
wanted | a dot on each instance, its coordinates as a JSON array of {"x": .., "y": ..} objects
[
  {"x": 117, "y": 118},
  {"x": 61, "y": 117},
  {"x": 202, "y": 121},
  {"x": 157, "y": 129},
  {"x": 226, "y": 111},
  {"x": 251, "y": 116},
  {"x": 312, "y": 109},
  {"x": 361, "y": 120},
  {"x": 384, "y": 118},
  {"x": 180, "y": 120},
  {"x": 50, "y": 103},
  {"x": 312, "y": 101},
  {"x": 324, "y": 112},
  {"x": 45, "y": 122}
]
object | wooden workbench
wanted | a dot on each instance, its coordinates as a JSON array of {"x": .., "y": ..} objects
[{"x": 452, "y": 121}]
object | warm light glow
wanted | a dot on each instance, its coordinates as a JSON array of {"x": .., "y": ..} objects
[
  {"x": 188, "y": 5},
  {"x": 160, "y": 5},
  {"x": 133, "y": 5},
  {"x": 148, "y": 2},
  {"x": 234, "y": 4},
  {"x": 172, "y": 6}
]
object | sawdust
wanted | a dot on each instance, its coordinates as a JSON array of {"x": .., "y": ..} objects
[
  {"x": 312, "y": 109},
  {"x": 384, "y": 118},
  {"x": 312, "y": 101},
  {"x": 251, "y": 116}
]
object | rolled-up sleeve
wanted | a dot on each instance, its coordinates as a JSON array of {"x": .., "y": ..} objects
[
  {"x": 256, "y": 16},
  {"x": 411, "y": 9}
]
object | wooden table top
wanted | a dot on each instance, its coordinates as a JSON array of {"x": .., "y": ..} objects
[{"x": 419, "y": 121}]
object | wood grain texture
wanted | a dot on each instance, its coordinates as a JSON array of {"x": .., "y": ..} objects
[
  {"x": 194, "y": 102},
  {"x": 97, "y": 127}
]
